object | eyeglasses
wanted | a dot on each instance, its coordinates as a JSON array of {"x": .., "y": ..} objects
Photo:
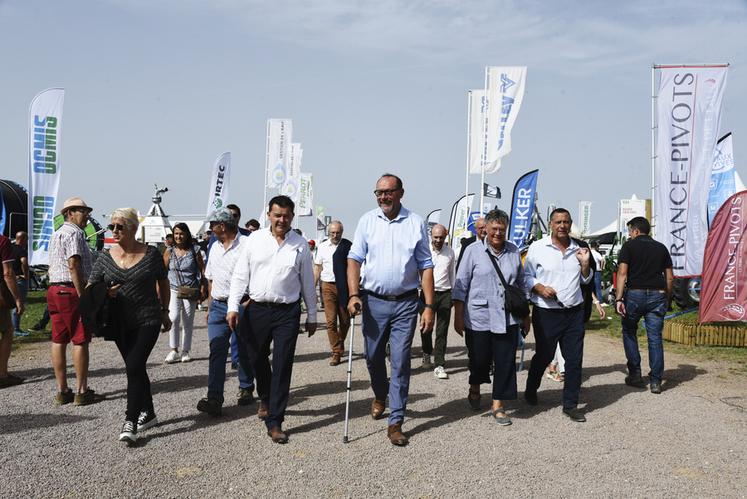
[
  {"x": 213, "y": 224},
  {"x": 385, "y": 192},
  {"x": 78, "y": 210},
  {"x": 113, "y": 227}
]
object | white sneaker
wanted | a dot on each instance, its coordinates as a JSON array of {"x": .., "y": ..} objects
[
  {"x": 128, "y": 433},
  {"x": 172, "y": 357},
  {"x": 186, "y": 357},
  {"x": 440, "y": 372}
]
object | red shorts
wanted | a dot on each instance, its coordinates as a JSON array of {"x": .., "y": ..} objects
[{"x": 67, "y": 325}]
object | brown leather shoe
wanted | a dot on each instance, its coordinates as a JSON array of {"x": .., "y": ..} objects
[
  {"x": 277, "y": 435},
  {"x": 335, "y": 360},
  {"x": 263, "y": 410},
  {"x": 396, "y": 437},
  {"x": 377, "y": 408}
]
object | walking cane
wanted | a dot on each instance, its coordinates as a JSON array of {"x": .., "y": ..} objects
[{"x": 350, "y": 375}]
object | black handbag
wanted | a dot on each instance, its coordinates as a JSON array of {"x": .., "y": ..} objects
[{"x": 515, "y": 300}]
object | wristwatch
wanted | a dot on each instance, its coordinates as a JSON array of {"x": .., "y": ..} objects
[{"x": 431, "y": 306}]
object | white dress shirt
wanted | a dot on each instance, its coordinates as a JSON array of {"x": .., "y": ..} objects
[
  {"x": 444, "y": 263},
  {"x": 220, "y": 265},
  {"x": 548, "y": 265},
  {"x": 275, "y": 273},
  {"x": 323, "y": 257}
]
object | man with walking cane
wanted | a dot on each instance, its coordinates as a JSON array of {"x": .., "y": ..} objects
[{"x": 393, "y": 243}]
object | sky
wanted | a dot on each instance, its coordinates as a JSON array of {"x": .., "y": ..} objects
[{"x": 156, "y": 90}]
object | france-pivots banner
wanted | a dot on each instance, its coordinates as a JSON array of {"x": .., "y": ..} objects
[
  {"x": 45, "y": 147},
  {"x": 688, "y": 117},
  {"x": 504, "y": 88},
  {"x": 220, "y": 181},
  {"x": 522, "y": 208},
  {"x": 723, "y": 294},
  {"x": 279, "y": 136}
]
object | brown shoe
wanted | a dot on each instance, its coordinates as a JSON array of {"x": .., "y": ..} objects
[
  {"x": 277, "y": 435},
  {"x": 263, "y": 410},
  {"x": 335, "y": 360},
  {"x": 396, "y": 437},
  {"x": 377, "y": 408},
  {"x": 87, "y": 398}
]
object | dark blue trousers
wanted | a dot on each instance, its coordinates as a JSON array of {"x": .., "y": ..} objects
[
  {"x": 261, "y": 325},
  {"x": 553, "y": 326}
]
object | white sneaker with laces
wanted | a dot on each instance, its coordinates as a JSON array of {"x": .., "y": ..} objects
[
  {"x": 186, "y": 357},
  {"x": 128, "y": 433},
  {"x": 440, "y": 372},
  {"x": 172, "y": 357}
]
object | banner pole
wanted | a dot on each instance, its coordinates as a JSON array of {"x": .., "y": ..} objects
[
  {"x": 653, "y": 148},
  {"x": 469, "y": 146},
  {"x": 267, "y": 167}
]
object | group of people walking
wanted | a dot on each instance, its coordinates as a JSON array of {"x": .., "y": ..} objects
[{"x": 392, "y": 274}]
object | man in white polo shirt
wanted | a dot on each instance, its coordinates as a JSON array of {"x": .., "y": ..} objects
[
  {"x": 276, "y": 265},
  {"x": 334, "y": 310}
]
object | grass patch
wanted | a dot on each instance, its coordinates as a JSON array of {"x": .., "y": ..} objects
[
  {"x": 36, "y": 301},
  {"x": 735, "y": 356}
]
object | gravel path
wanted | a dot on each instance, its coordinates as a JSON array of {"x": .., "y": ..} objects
[{"x": 689, "y": 441}]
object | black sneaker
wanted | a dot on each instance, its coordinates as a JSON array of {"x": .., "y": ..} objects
[
  {"x": 244, "y": 397},
  {"x": 211, "y": 406},
  {"x": 656, "y": 388},
  {"x": 531, "y": 397},
  {"x": 635, "y": 381},
  {"x": 146, "y": 420},
  {"x": 574, "y": 414},
  {"x": 128, "y": 433}
]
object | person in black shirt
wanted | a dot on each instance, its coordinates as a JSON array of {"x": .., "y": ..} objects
[{"x": 644, "y": 289}]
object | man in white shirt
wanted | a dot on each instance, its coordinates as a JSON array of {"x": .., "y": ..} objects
[
  {"x": 276, "y": 265},
  {"x": 555, "y": 267},
  {"x": 224, "y": 254},
  {"x": 444, "y": 265},
  {"x": 333, "y": 309}
]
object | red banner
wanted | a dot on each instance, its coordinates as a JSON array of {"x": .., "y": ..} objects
[{"x": 723, "y": 295}]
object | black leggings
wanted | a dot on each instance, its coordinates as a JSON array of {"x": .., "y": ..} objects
[{"x": 135, "y": 346}]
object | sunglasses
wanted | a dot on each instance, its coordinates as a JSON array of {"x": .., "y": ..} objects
[{"x": 113, "y": 227}]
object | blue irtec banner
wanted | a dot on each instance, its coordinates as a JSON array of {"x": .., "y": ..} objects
[{"x": 522, "y": 208}]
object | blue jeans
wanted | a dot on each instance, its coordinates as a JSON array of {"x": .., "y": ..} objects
[
  {"x": 393, "y": 322},
  {"x": 598, "y": 285},
  {"x": 23, "y": 287},
  {"x": 651, "y": 304},
  {"x": 219, "y": 335},
  {"x": 234, "y": 349}
]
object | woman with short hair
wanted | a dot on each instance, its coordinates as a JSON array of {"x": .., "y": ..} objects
[
  {"x": 479, "y": 309},
  {"x": 137, "y": 280},
  {"x": 186, "y": 267}
]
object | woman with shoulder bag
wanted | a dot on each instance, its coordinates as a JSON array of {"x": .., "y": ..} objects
[
  {"x": 137, "y": 279},
  {"x": 490, "y": 304},
  {"x": 186, "y": 268}
]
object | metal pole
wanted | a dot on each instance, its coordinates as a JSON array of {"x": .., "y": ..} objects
[{"x": 350, "y": 379}]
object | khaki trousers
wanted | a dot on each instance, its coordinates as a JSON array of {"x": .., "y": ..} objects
[{"x": 335, "y": 311}]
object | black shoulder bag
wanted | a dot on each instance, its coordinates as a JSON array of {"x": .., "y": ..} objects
[{"x": 515, "y": 300}]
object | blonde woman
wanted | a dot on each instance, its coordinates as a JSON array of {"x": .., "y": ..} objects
[{"x": 137, "y": 279}]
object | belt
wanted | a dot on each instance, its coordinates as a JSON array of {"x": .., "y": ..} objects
[
  {"x": 406, "y": 294},
  {"x": 221, "y": 300},
  {"x": 650, "y": 290},
  {"x": 64, "y": 284},
  {"x": 269, "y": 304},
  {"x": 444, "y": 291}
]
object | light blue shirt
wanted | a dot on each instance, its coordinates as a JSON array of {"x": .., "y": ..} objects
[
  {"x": 394, "y": 251},
  {"x": 479, "y": 287}
]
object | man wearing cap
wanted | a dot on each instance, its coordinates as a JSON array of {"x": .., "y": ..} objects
[
  {"x": 276, "y": 265},
  {"x": 393, "y": 243},
  {"x": 220, "y": 267},
  {"x": 334, "y": 309},
  {"x": 69, "y": 268}
]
